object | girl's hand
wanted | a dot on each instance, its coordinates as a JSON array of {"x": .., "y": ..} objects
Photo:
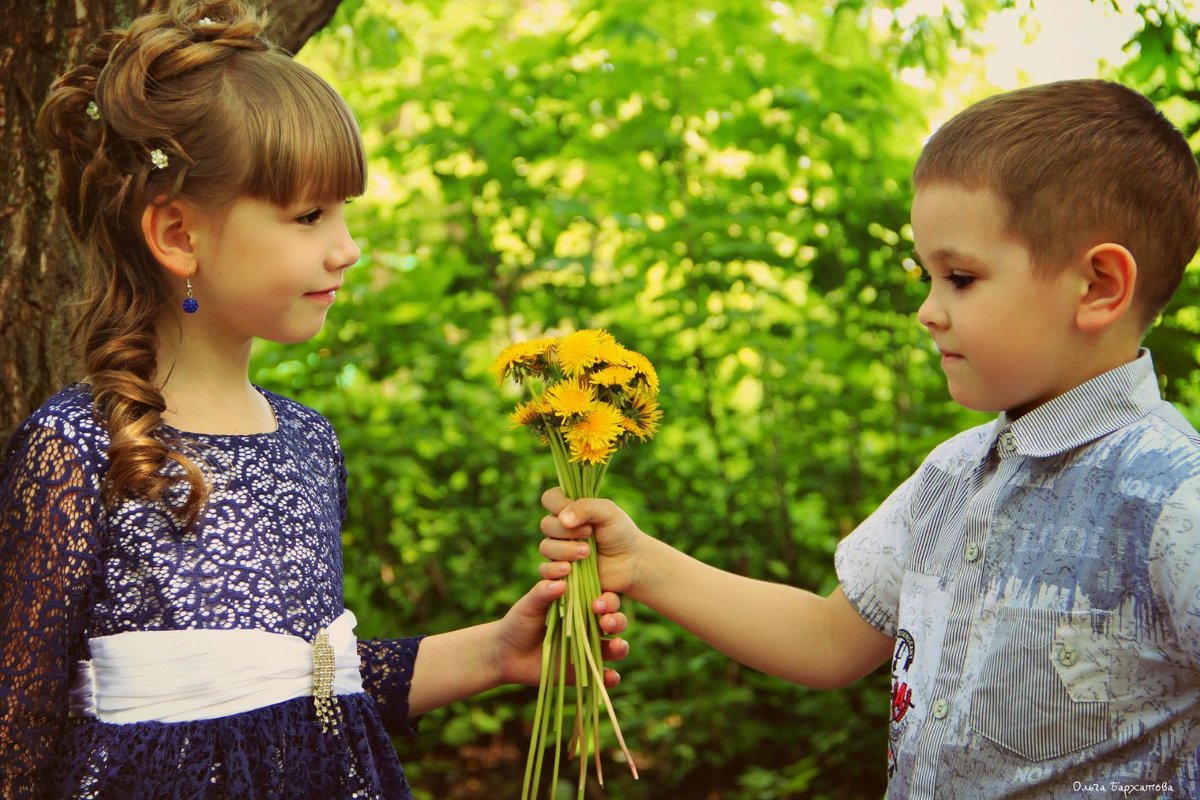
[
  {"x": 520, "y": 633},
  {"x": 617, "y": 537}
]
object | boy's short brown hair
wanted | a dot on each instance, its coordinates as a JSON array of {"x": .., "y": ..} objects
[{"x": 1077, "y": 163}]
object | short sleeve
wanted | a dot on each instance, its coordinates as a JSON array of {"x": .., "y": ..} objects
[
  {"x": 49, "y": 509},
  {"x": 387, "y": 672},
  {"x": 1175, "y": 565},
  {"x": 870, "y": 561}
]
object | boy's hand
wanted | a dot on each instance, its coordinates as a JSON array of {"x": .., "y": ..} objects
[
  {"x": 519, "y": 634},
  {"x": 617, "y": 538}
]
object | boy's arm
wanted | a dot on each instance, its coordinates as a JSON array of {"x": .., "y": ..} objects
[{"x": 816, "y": 641}]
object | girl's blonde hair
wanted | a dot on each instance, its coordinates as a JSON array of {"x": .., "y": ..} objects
[{"x": 235, "y": 117}]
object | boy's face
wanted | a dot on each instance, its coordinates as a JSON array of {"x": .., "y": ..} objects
[{"x": 1005, "y": 336}]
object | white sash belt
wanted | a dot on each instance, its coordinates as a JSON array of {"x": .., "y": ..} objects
[{"x": 175, "y": 676}]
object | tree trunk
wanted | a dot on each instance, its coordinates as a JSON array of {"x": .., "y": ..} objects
[{"x": 38, "y": 262}]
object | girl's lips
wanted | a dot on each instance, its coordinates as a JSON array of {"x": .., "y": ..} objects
[{"x": 326, "y": 296}]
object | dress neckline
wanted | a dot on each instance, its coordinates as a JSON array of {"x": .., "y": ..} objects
[{"x": 246, "y": 436}]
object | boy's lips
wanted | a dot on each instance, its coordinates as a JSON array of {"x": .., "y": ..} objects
[{"x": 949, "y": 355}]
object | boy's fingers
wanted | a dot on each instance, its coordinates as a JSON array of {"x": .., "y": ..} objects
[
  {"x": 563, "y": 549},
  {"x": 574, "y": 513},
  {"x": 554, "y": 570},
  {"x": 554, "y": 528},
  {"x": 554, "y": 500}
]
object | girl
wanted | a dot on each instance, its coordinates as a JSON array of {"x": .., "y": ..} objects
[{"x": 169, "y": 533}]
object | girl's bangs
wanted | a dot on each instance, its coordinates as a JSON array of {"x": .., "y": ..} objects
[{"x": 301, "y": 140}]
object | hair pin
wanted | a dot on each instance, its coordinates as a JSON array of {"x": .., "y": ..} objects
[
  {"x": 205, "y": 21},
  {"x": 93, "y": 110},
  {"x": 158, "y": 158}
]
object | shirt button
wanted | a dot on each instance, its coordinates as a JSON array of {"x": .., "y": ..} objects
[
  {"x": 940, "y": 709},
  {"x": 1008, "y": 443},
  {"x": 1068, "y": 655},
  {"x": 972, "y": 551}
]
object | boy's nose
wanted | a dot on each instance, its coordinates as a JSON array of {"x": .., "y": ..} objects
[{"x": 930, "y": 313}]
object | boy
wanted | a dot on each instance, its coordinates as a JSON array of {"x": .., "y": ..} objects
[{"x": 1036, "y": 583}]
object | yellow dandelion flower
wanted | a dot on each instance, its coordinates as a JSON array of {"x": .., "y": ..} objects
[
  {"x": 600, "y": 426},
  {"x": 582, "y": 451},
  {"x": 612, "y": 352},
  {"x": 644, "y": 414},
  {"x": 569, "y": 398},
  {"x": 529, "y": 413},
  {"x": 522, "y": 355},
  {"x": 644, "y": 368},
  {"x": 612, "y": 376},
  {"x": 579, "y": 350}
]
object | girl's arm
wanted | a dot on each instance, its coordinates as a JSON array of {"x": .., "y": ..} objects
[
  {"x": 456, "y": 665},
  {"x": 816, "y": 641},
  {"x": 49, "y": 502},
  {"x": 408, "y": 677}
]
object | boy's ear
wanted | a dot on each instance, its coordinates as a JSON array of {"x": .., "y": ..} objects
[
  {"x": 166, "y": 231},
  {"x": 1109, "y": 272}
]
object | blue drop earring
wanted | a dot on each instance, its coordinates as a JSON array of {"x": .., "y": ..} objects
[{"x": 190, "y": 305}]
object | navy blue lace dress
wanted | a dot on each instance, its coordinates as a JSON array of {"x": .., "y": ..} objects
[{"x": 266, "y": 555}]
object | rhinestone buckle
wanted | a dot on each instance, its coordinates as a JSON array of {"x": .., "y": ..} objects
[{"x": 323, "y": 670}]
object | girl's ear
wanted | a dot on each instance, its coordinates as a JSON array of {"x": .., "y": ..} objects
[
  {"x": 166, "y": 229},
  {"x": 1110, "y": 273}
]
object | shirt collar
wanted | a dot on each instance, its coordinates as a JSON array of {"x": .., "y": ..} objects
[{"x": 1091, "y": 410}]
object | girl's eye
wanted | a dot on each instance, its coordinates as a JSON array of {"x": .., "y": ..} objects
[
  {"x": 311, "y": 217},
  {"x": 959, "y": 280}
]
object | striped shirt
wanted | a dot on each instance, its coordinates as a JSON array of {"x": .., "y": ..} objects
[{"x": 1041, "y": 578}]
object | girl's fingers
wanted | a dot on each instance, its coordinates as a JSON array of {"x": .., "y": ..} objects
[
  {"x": 614, "y": 623},
  {"x": 614, "y": 649},
  {"x": 606, "y": 603}
]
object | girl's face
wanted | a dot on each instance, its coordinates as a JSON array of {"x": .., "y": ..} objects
[{"x": 268, "y": 271}]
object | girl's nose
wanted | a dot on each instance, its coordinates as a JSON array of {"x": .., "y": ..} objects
[{"x": 347, "y": 252}]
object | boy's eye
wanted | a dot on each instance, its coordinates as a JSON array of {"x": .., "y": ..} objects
[
  {"x": 311, "y": 217},
  {"x": 959, "y": 280}
]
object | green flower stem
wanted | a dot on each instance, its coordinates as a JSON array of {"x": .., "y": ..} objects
[
  {"x": 572, "y": 633},
  {"x": 541, "y": 715}
]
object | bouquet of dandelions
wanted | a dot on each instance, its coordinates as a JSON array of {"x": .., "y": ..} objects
[{"x": 595, "y": 396}]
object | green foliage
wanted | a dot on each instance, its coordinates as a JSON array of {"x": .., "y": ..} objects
[
  {"x": 1165, "y": 64},
  {"x": 725, "y": 189}
]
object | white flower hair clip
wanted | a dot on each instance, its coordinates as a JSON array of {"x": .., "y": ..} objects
[
  {"x": 158, "y": 158},
  {"x": 205, "y": 21},
  {"x": 93, "y": 111}
]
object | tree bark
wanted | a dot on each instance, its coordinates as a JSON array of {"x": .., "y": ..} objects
[{"x": 38, "y": 262}]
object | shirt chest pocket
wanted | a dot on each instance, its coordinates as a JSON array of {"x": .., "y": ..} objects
[{"x": 1044, "y": 684}]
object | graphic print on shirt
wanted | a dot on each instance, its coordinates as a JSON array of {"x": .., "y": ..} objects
[{"x": 902, "y": 693}]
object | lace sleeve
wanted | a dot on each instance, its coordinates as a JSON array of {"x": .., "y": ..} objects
[
  {"x": 387, "y": 670},
  {"x": 49, "y": 504}
]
